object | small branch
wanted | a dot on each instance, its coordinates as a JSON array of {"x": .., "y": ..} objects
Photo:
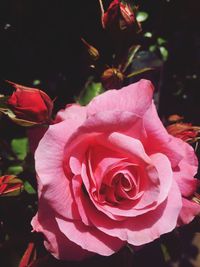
[
  {"x": 102, "y": 12},
  {"x": 137, "y": 72},
  {"x": 101, "y": 7}
]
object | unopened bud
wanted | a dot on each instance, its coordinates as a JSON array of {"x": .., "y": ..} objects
[
  {"x": 27, "y": 106},
  {"x": 120, "y": 18},
  {"x": 185, "y": 131},
  {"x": 92, "y": 51},
  {"x": 175, "y": 118},
  {"x": 10, "y": 185},
  {"x": 112, "y": 78}
]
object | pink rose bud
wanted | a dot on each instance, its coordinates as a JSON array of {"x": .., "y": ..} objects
[
  {"x": 112, "y": 78},
  {"x": 10, "y": 185},
  {"x": 30, "y": 104}
]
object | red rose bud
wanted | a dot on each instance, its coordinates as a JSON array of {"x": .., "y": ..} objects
[
  {"x": 127, "y": 14},
  {"x": 30, "y": 105},
  {"x": 112, "y": 78},
  {"x": 10, "y": 185},
  {"x": 121, "y": 16},
  {"x": 92, "y": 51},
  {"x": 29, "y": 256},
  {"x": 111, "y": 15},
  {"x": 185, "y": 131}
]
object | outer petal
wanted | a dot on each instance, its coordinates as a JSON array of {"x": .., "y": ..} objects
[
  {"x": 184, "y": 173},
  {"x": 189, "y": 210},
  {"x": 71, "y": 112},
  {"x": 158, "y": 222},
  {"x": 49, "y": 167},
  {"x": 90, "y": 238},
  {"x": 110, "y": 121},
  {"x": 55, "y": 241},
  {"x": 135, "y": 98},
  {"x": 158, "y": 138}
]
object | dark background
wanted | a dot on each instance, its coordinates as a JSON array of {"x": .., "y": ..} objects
[{"x": 40, "y": 40}]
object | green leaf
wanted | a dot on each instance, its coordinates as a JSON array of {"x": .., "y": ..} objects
[
  {"x": 36, "y": 82},
  {"x": 131, "y": 54},
  {"x": 8, "y": 112},
  {"x": 152, "y": 48},
  {"x": 20, "y": 147},
  {"x": 15, "y": 170},
  {"x": 91, "y": 90},
  {"x": 137, "y": 72},
  {"x": 148, "y": 34},
  {"x": 142, "y": 16},
  {"x": 164, "y": 52},
  {"x": 28, "y": 188},
  {"x": 3, "y": 101},
  {"x": 165, "y": 252},
  {"x": 13, "y": 193},
  {"x": 161, "y": 41}
]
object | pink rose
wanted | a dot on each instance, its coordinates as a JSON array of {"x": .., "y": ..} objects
[{"x": 110, "y": 174}]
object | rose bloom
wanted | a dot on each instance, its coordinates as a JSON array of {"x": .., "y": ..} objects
[{"x": 109, "y": 174}]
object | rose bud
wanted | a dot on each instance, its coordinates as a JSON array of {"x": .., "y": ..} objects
[
  {"x": 185, "y": 131},
  {"x": 10, "y": 185},
  {"x": 30, "y": 105},
  {"x": 29, "y": 256},
  {"x": 92, "y": 51},
  {"x": 120, "y": 18},
  {"x": 175, "y": 118},
  {"x": 112, "y": 78}
]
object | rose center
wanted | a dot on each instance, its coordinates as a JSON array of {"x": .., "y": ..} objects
[{"x": 122, "y": 187}]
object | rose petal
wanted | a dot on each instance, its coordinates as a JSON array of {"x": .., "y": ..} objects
[
  {"x": 158, "y": 138},
  {"x": 186, "y": 169},
  {"x": 90, "y": 131},
  {"x": 135, "y": 98},
  {"x": 189, "y": 210},
  {"x": 71, "y": 112},
  {"x": 55, "y": 241},
  {"x": 163, "y": 166},
  {"x": 89, "y": 238},
  {"x": 49, "y": 167},
  {"x": 126, "y": 145},
  {"x": 147, "y": 227}
]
